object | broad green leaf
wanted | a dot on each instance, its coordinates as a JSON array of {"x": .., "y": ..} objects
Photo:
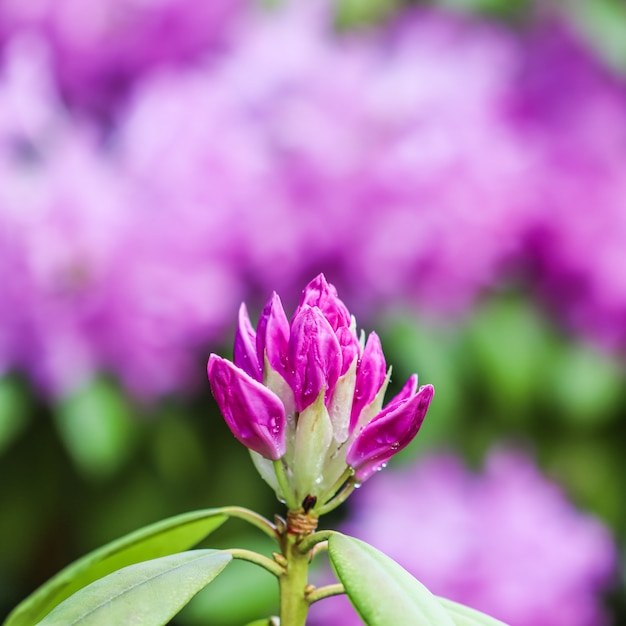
[
  {"x": 13, "y": 411},
  {"x": 148, "y": 593},
  {"x": 382, "y": 591},
  {"x": 97, "y": 428},
  {"x": 162, "y": 538},
  {"x": 464, "y": 616}
]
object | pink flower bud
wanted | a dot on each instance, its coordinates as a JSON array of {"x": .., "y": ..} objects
[
  {"x": 319, "y": 293},
  {"x": 272, "y": 336},
  {"x": 254, "y": 414},
  {"x": 389, "y": 432},
  {"x": 349, "y": 347},
  {"x": 244, "y": 352},
  {"x": 370, "y": 375},
  {"x": 314, "y": 355}
]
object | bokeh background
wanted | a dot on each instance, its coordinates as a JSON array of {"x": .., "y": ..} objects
[{"x": 456, "y": 168}]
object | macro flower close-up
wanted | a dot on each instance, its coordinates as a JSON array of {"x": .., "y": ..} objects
[
  {"x": 233, "y": 232},
  {"x": 306, "y": 397}
]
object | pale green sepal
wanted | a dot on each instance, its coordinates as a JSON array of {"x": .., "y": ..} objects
[
  {"x": 341, "y": 404},
  {"x": 371, "y": 410},
  {"x": 465, "y": 616},
  {"x": 313, "y": 438},
  {"x": 165, "y": 537},
  {"x": 268, "y": 621},
  {"x": 148, "y": 593},
  {"x": 265, "y": 467},
  {"x": 382, "y": 591}
]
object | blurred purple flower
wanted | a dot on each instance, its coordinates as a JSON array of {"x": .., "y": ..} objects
[
  {"x": 93, "y": 276},
  {"x": 570, "y": 111},
  {"x": 362, "y": 184},
  {"x": 100, "y": 49},
  {"x": 505, "y": 541}
]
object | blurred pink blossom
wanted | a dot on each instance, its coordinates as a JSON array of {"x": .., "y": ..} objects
[
  {"x": 505, "y": 541},
  {"x": 93, "y": 277},
  {"x": 570, "y": 112},
  {"x": 352, "y": 154},
  {"x": 100, "y": 48}
]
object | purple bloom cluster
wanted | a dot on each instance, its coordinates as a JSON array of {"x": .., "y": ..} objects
[
  {"x": 571, "y": 113},
  {"x": 99, "y": 50},
  {"x": 93, "y": 276},
  {"x": 309, "y": 394},
  {"x": 415, "y": 162},
  {"x": 505, "y": 541}
]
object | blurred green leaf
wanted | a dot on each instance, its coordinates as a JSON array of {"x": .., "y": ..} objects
[
  {"x": 382, "y": 591},
  {"x": 97, "y": 427},
  {"x": 509, "y": 343},
  {"x": 159, "y": 539},
  {"x": 413, "y": 345},
  {"x": 148, "y": 593},
  {"x": 603, "y": 23},
  {"x": 464, "y": 616},
  {"x": 504, "y": 8},
  {"x": 352, "y": 13},
  {"x": 586, "y": 384},
  {"x": 13, "y": 411}
]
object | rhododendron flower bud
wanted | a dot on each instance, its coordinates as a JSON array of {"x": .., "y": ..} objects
[
  {"x": 306, "y": 397},
  {"x": 390, "y": 431},
  {"x": 253, "y": 413}
]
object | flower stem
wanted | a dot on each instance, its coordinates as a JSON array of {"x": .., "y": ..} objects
[
  {"x": 340, "y": 498},
  {"x": 283, "y": 483},
  {"x": 325, "y": 592},
  {"x": 294, "y": 605},
  {"x": 258, "y": 559},
  {"x": 253, "y": 518}
]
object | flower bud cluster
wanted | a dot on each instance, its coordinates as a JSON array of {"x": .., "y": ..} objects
[{"x": 306, "y": 397}]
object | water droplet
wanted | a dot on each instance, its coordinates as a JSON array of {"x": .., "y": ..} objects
[
  {"x": 383, "y": 466},
  {"x": 274, "y": 425},
  {"x": 357, "y": 485},
  {"x": 395, "y": 446},
  {"x": 318, "y": 480}
]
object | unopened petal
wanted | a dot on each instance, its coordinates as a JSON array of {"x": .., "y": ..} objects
[
  {"x": 314, "y": 355},
  {"x": 321, "y": 294},
  {"x": 254, "y": 414},
  {"x": 370, "y": 376},
  {"x": 244, "y": 351},
  {"x": 273, "y": 335},
  {"x": 388, "y": 433}
]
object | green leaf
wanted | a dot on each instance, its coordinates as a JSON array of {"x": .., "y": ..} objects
[
  {"x": 13, "y": 411},
  {"x": 464, "y": 616},
  {"x": 148, "y": 593},
  {"x": 382, "y": 591},
  {"x": 162, "y": 538},
  {"x": 97, "y": 427}
]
